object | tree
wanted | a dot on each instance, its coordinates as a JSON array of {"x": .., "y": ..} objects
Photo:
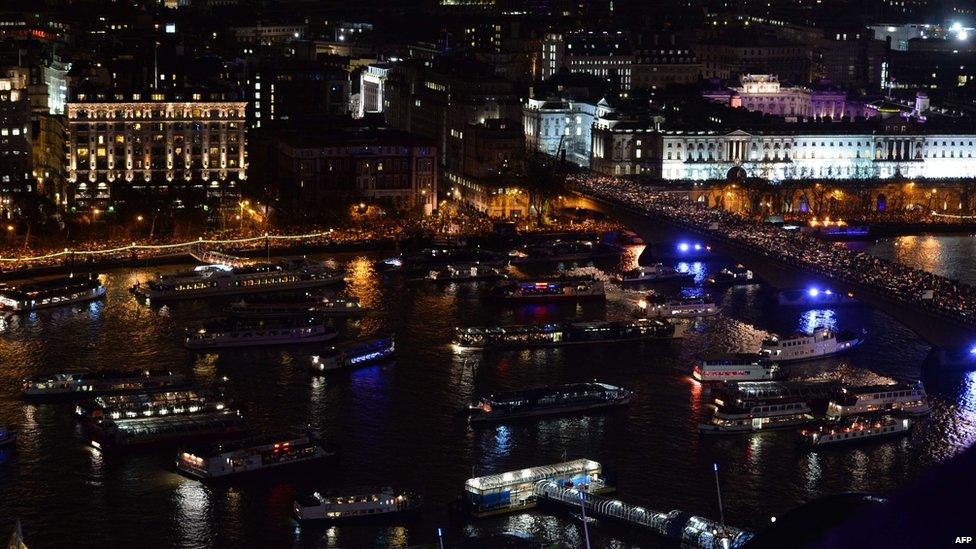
[{"x": 543, "y": 181}]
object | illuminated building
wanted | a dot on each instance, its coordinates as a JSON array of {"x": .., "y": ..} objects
[
  {"x": 15, "y": 141},
  {"x": 602, "y": 54},
  {"x": 189, "y": 145},
  {"x": 763, "y": 93}
]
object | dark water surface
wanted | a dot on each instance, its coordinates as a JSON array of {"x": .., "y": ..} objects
[{"x": 396, "y": 423}]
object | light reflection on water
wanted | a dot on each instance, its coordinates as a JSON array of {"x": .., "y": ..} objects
[{"x": 817, "y": 318}]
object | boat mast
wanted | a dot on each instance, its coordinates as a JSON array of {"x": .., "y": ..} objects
[
  {"x": 586, "y": 530},
  {"x": 718, "y": 490}
]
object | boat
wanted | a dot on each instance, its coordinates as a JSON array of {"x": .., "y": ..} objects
[
  {"x": 901, "y": 398},
  {"x": 471, "y": 272},
  {"x": 8, "y": 437},
  {"x": 854, "y": 430},
  {"x": 168, "y": 403},
  {"x": 578, "y": 517},
  {"x": 659, "y": 272},
  {"x": 224, "y": 280},
  {"x": 101, "y": 382},
  {"x": 562, "y": 250},
  {"x": 566, "y": 288},
  {"x": 692, "y": 307},
  {"x": 737, "y": 275},
  {"x": 24, "y": 298},
  {"x": 569, "y": 333},
  {"x": 360, "y": 504},
  {"x": 108, "y": 433},
  {"x": 325, "y": 307},
  {"x": 355, "y": 353},
  {"x": 749, "y": 406},
  {"x": 736, "y": 367},
  {"x": 432, "y": 258},
  {"x": 223, "y": 459},
  {"x": 823, "y": 342},
  {"x": 813, "y": 297},
  {"x": 544, "y": 401},
  {"x": 252, "y": 332}
]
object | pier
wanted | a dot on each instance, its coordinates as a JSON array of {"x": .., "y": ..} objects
[{"x": 689, "y": 530}]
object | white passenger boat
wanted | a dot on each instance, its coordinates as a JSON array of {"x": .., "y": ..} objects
[
  {"x": 658, "y": 272},
  {"x": 902, "y": 398},
  {"x": 355, "y": 353},
  {"x": 692, "y": 307},
  {"x": 854, "y": 430},
  {"x": 822, "y": 342},
  {"x": 102, "y": 382},
  {"x": 224, "y": 459},
  {"x": 221, "y": 280},
  {"x": 363, "y": 504},
  {"x": 737, "y": 367},
  {"x": 744, "y": 407},
  {"x": 49, "y": 293},
  {"x": 248, "y": 333}
]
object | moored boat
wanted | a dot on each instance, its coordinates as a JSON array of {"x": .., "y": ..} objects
[
  {"x": 658, "y": 272},
  {"x": 561, "y": 250},
  {"x": 569, "y": 333},
  {"x": 223, "y": 280},
  {"x": 543, "y": 401},
  {"x": 692, "y": 307},
  {"x": 223, "y": 459},
  {"x": 579, "y": 288},
  {"x": 355, "y": 353},
  {"x": 901, "y": 398},
  {"x": 360, "y": 504},
  {"x": 855, "y": 429},
  {"x": 472, "y": 272},
  {"x": 822, "y": 342},
  {"x": 736, "y": 367},
  {"x": 101, "y": 382},
  {"x": 323, "y": 307},
  {"x": 109, "y": 433},
  {"x": 737, "y": 275},
  {"x": 749, "y": 406},
  {"x": 256, "y": 332},
  {"x": 168, "y": 403},
  {"x": 49, "y": 293}
]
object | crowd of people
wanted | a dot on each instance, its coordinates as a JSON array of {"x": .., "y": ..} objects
[{"x": 914, "y": 287}]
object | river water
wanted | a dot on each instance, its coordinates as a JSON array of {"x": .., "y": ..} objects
[{"x": 396, "y": 423}]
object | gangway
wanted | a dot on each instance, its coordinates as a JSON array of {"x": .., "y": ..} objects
[
  {"x": 689, "y": 530},
  {"x": 213, "y": 257}
]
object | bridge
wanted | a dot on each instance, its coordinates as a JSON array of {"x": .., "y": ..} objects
[
  {"x": 952, "y": 335},
  {"x": 689, "y": 530}
]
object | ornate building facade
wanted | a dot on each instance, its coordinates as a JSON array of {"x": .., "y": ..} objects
[{"x": 183, "y": 147}]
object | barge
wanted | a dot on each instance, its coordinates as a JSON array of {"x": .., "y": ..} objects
[
  {"x": 570, "y": 333},
  {"x": 544, "y": 401}
]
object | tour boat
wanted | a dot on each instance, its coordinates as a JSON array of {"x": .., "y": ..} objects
[
  {"x": 822, "y": 342},
  {"x": 361, "y": 504},
  {"x": 692, "y": 307},
  {"x": 569, "y": 333},
  {"x": 542, "y": 401},
  {"x": 565, "y": 288},
  {"x": 222, "y": 280},
  {"x": 735, "y": 276},
  {"x": 658, "y": 272},
  {"x": 902, "y": 398},
  {"x": 431, "y": 258},
  {"x": 253, "y": 332},
  {"x": 102, "y": 382},
  {"x": 355, "y": 353},
  {"x": 7, "y": 437},
  {"x": 324, "y": 307},
  {"x": 737, "y": 367},
  {"x": 168, "y": 403},
  {"x": 854, "y": 430},
  {"x": 748, "y": 406},
  {"x": 466, "y": 273},
  {"x": 578, "y": 250},
  {"x": 107, "y": 433},
  {"x": 235, "y": 457},
  {"x": 49, "y": 293}
]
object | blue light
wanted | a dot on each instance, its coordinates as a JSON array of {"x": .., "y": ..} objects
[
  {"x": 697, "y": 246},
  {"x": 813, "y": 292},
  {"x": 828, "y": 292},
  {"x": 683, "y": 246},
  {"x": 973, "y": 350}
]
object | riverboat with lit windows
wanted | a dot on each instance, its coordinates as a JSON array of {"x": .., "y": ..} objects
[
  {"x": 161, "y": 404},
  {"x": 101, "y": 382},
  {"x": 753, "y": 406},
  {"x": 566, "y": 288},
  {"x": 900, "y": 398},
  {"x": 655, "y": 306},
  {"x": 258, "y": 332},
  {"x": 223, "y": 459},
  {"x": 659, "y": 272},
  {"x": 822, "y": 342},
  {"x": 471, "y": 272},
  {"x": 332, "y": 307},
  {"x": 32, "y": 296},
  {"x": 568, "y": 333},
  {"x": 167, "y": 429},
  {"x": 564, "y": 251},
  {"x": 355, "y": 353},
  {"x": 223, "y": 280},
  {"x": 544, "y": 401},
  {"x": 736, "y": 367},
  {"x": 738, "y": 275},
  {"x": 382, "y": 502},
  {"x": 857, "y": 429}
]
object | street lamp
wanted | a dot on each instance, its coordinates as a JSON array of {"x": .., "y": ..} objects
[{"x": 139, "y": 218}]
